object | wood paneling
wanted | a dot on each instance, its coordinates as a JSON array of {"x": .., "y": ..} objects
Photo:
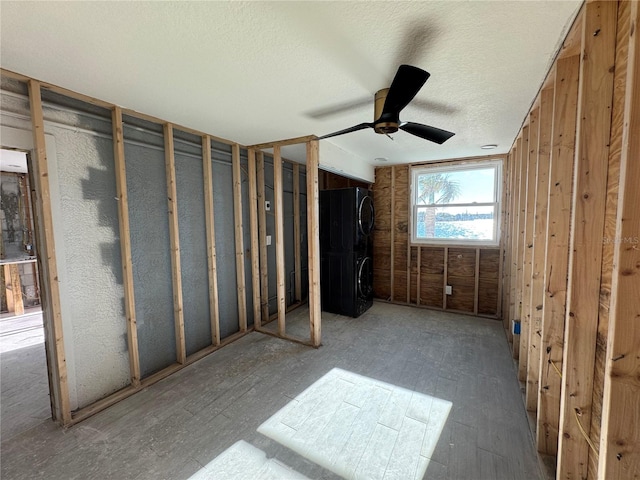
[{"x": 416, "y": 274}]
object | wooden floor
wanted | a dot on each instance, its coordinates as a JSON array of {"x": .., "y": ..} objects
[{"x": 177, "y": 427}]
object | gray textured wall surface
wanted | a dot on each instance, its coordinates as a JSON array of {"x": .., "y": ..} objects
[
  {"x": 193, "y": 243},
  {"x": 91, "y": 265},
  {"x": 150, "y": 248},
  {"x": 225, "y": 238}
]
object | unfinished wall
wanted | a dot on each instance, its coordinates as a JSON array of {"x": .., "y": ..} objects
[
  {"x": 417, "y": 274},
  {"x": 568, "y": 355}
]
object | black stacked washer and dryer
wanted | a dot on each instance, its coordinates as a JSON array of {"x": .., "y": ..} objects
[{"x": 346, "y": 248}]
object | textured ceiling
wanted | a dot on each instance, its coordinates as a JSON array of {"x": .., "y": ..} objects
[{"x": 261, "y": 71}]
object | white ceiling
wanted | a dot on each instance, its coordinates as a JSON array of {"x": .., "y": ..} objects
[{"x": 254, "y": 72}]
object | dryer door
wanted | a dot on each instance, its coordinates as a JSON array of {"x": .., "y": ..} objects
[
  {"x": 365, "y": 215},
  {"x": 365, "y": 277}
]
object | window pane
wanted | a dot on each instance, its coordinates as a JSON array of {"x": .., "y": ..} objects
[
  {"x": 455, "y": 223},
  {"x": 461, "y": 186}
]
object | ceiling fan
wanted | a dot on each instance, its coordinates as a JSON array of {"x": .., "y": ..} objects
[{"x": 390, "y": 101}]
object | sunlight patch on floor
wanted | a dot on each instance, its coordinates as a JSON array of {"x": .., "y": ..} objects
[
  {"x": 361, "y": 428},
  {"x": 242, "y": 461}
]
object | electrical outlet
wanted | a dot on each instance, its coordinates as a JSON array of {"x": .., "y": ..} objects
[
  {"x": 267, "y": 205},
  {"x": 268, "y": 239},
  {"x": 448, "y": 290}
]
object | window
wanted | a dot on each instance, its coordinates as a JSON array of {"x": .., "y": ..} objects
[{"x": 456, "y": 204}]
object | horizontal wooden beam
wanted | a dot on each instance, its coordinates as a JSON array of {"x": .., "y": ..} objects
[{"x": 282, "y": 143}]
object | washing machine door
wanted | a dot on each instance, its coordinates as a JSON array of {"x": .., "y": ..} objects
[
  {"x": 365, "y": 277},
  {"x": 365, "y": 215}
]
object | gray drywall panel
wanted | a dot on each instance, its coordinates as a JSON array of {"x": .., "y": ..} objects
[
  {"x": 225, "y": 238},
  {"x": 271, "y": 231},
  {"x": 193, "y": 241},
  {"x": 89, "y": 263},
  {"x": 150, "y": 246},
  {"x": 246, "y": 233}
]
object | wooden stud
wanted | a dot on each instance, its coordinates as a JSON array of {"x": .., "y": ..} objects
[
  {"x": 476, "y": 288},
  {"x": 524, "y": 156},
  {"x": 174, "y": 236},
  {"x": 313, "y": 235},
  {"x": 214, "y": 308},
  {"x": 125, "y": 245},
  {"x": 419, "y": 261},
  {"x": 524, "y": 369},
  {"x": 237, "y": 215},
  {"x": 50, "y": 269},
  {"x": 15, "y": 303},
  {"x": 282, "y": 143},
  {"x": 514, "y": 313},
  {"x": 543, "y": 151},
  {"x": 444, "y": 278},
  {"x": 262, "y": 237},
  {"x": 587, "y": 224},
  {"x": 296, "y": 233},
  {"x": 393, "y": 233},
  {"x": 253, "y": 219},
  {"x": 279, "y": 224},
  {"x": 620, "y": 436},
  {"x": 557, "y": 253}
]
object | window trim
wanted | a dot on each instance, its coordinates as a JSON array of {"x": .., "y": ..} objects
[{"x": 416, "y": 170}]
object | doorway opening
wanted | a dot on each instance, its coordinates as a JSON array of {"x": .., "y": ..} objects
[{"x": 24, "y": 389}]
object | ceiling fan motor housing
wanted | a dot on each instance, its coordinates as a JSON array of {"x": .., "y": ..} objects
[{"x": 384, "y": 124}]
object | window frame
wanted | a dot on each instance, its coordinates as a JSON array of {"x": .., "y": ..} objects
[{"x": 416, "y": 170}]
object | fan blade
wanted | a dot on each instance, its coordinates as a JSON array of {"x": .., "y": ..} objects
[
  {"x": 362, "y": 126},
  {"x": 406, "y": 84},
  {"x": 432, "y": 134}
]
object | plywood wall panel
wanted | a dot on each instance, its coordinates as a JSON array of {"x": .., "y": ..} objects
[
  {"x": 463, "y": 290},
  {"x": 431, "y": 289},
  {"x": 462, "y": 262},
  {"x": 489, "y": 264},
  {"x": 488, "y": 296}
]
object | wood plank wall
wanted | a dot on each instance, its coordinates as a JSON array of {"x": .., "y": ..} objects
[
  {"x": 417, "y": 274},
  {"x": 585, "y": 229}
]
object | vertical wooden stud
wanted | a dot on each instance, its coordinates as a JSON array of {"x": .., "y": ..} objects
[
  {"x": 527, "y": 244},
  {"x": 176, "y": 272},
  {"x": 262, "y": 234},
  {"x": 15, "y": 303},
  {"x": 522, "y": 209},
  {"x": 279, "y": 223},
  {"x": 587, "y": 223},
  {"x": 445, "y": 278},
  {"x": 524, "y": 369},
  {"x": 211, "y": 240},
  {"x": 543, "y": 150},
  {"x": 620, "y": 436},
  {"x": 51, "y": 269},
  {"x": 393, "y": 234},
  {"x": 515, "y": 243},
  {"x": 125, "y": 245},
  {"x": 253, "y": 220},
  {"x": 476, "y": 288},
  {"x": 313, "y": 235},
  {"x": 419, "y": 260},
  {"x": 237, "y": 215},
  {"x": 557, "y": 252},
  {"x": 296, "y": 233}
]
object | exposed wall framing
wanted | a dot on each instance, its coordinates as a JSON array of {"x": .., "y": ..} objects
[
  {"x": 50, "y": 292},
  {"x": 584, "y": 249},
  {"x": 417, "y": 274}
]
